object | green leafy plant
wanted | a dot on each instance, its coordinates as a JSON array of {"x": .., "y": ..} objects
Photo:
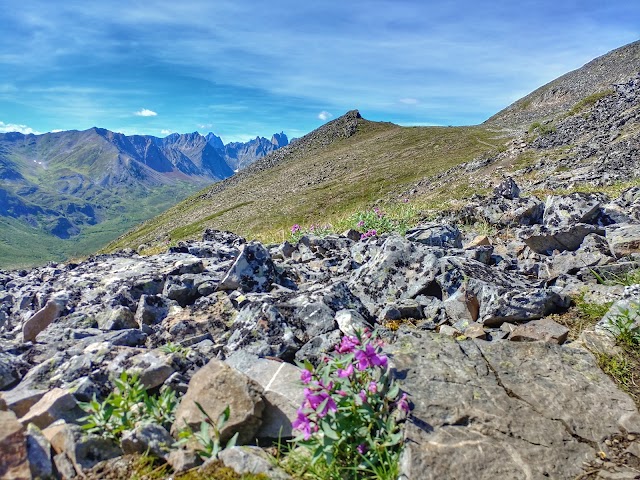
[
  {"x": 127, "y": 406},
  {"x": 626, "y": 279},
  {"x": 209, "y": 435},
  {"x": 297, "y": 231},
  {"x": 590, "y": 311},
  {"x": 541, "y": 128},
  {"x": 349, "y": 421},
  {"x": 625, "y": 326},
  {"x": 171, "y": 347},
  {"x": 589, "y": 101}
]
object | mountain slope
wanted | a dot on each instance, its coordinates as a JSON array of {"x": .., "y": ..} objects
[
  {"x": 564, "y": 92},
  {"x": 69, "y": 193},
  {"x": 351, "y": 163},
  {"x": 346, "y": 164}
]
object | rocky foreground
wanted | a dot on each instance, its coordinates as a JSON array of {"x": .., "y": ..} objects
[{"x": 497, "y": 389}]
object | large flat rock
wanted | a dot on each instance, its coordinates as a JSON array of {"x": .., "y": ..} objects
[{"x": 504, "y": 410}]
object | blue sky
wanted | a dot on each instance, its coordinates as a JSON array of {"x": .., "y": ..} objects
[{"x": 246, "y": 68}]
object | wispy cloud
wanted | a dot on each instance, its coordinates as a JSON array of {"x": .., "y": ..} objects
[
  {"x": 145, "y": 113},
  {"x": 12, "y": 127},
  {"x": 165, "y": 131},
  {"x": 324, "y": 115},
  {"x": 82, "y": 65}
]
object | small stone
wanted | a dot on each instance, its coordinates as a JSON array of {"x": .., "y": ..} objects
[
  {"x": 183, "y": 460},
  {"x": 449, "y": 331},
  {"x": 545, "y": 329},
  {"x": 249, "y": 459},
  {"x": 350, "y": 321},
  {"x": 55, "y": 405},
  {"x": 13, "y": 449},
  {"x": 215, "y": 387},
  {"x": 475, "y": 330},
  {"x": 478, "y": 241},
  {"x": 634, "y": 449},
  {"x": 41, "y": 320},
  {"x": 149, "y": 437},
  {"x": 64, "y": 466}
]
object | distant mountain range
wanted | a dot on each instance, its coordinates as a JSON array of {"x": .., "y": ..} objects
[{"x": 89, "y": 186}]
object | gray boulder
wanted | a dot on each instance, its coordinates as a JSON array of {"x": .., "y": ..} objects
[
  {"x": 623, "y": 239},
  {"x": 500, "y": 296},
  {"x": 253, "y": 270},
  {"x": 593, "y": 252},
  {"x": 488, "y": 410},
  {"x": 400, "y": 269},
  {"x": 545, "y": 240},
  {"x": 151, "y": 309},
  {"x": 39, "y": 453},
  {"x": 436, "y": 235},
  {"x": 282, "y": 391},
  {"x": 216, "y": 386},
  {"x": 261, "y": 329},
  {"x": 566, "y": 210},
  {"x": 507, "y": 189}
]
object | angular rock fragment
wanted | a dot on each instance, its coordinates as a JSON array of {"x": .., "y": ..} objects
[
  {"x": 253, "y": 270},
  {"x": 546, "y": 330},
  {"x": 13, "y": 448},
  {"x": 216, "y": 386}
]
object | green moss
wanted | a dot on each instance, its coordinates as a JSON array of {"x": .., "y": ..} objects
[
  {"x": 588, "y": 101},
  {"x": 541, "y": 128}
]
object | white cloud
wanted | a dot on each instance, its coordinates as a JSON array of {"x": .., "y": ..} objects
[
  {"x": 324, "y": 115},
  {"x": 146, "y": 113},
  {"x": 409, "y": 101},
  {"x": 12, "y": 127},
  {"x": 165, "y": 131},
  {"x": 56, "y": 130}
]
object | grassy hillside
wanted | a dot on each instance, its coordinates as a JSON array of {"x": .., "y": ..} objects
[
  {"x": 319, "y": 183},
  {"x": 22, "y": 245}
]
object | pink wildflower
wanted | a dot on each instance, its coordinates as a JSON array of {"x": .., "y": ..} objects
[
  {"x": 320, "y": 399},
  {"x": 403, "y": 403},
  {"x": 303, "y": 424},
  {"x": 347, "y": 344},
  {"x": 305, "y": 376},
  {"x": 346, "y": 372},
  {"x": 368, "y": 357},
  {"x": 363, "y": 396}
]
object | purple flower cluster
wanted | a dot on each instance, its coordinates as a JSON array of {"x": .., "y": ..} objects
[
  {"x": 295, "y": 229},
  {"x": 354, "y": 376},
  {"x": 368, "y": 233}
]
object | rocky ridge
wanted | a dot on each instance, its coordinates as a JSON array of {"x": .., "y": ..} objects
[
  {"x": 498, "y": 389},
  {"x": 561, "y": 94}
]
